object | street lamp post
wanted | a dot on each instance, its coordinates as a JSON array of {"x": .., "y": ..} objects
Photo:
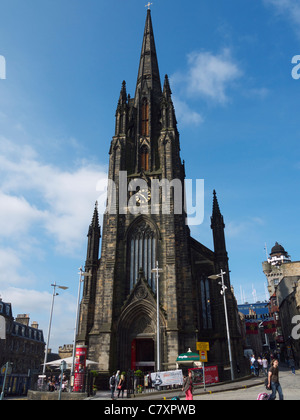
[
  {"x": 50, "y": 321},
  {"x": 157, "y": 271},
  {"x": 223, "y": 291},
  {"x": 81, "y": 279}
]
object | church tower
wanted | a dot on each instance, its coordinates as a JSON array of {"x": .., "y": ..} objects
[{"x": 145, "y": 223}]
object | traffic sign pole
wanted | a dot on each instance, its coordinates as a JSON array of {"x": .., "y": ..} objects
[
  {"x": 4, "y": 382},
  {"x": 203, "y": 348},
  {"x": 203, "y": 367}
]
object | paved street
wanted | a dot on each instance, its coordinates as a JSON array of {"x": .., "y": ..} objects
[{"x": 290, "y": 385}]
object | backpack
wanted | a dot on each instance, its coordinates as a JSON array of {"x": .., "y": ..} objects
[{"x": 112, "y": 381}]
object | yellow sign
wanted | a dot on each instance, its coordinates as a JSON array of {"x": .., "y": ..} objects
[
  {"x": 203, "y": 356},
  {"x": 202, "y": 346}
]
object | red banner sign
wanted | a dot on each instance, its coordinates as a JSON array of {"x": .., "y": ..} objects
[
  {"x": 269, "y": 327},
  {"x": 251, "y": 328}
]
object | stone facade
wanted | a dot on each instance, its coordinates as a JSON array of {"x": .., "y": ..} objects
[
  {"x": 283, "y": 277},
  {"x": 118, "y": 308},
  {"x": 24, "y": 345}
]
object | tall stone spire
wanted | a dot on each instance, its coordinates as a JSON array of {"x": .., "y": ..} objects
[
  {"x": 94, "y": 236},
  {"x": 148, "y": 69},
  {"x": 217, "y": 220},
  {"x": 218, "y": 228}
]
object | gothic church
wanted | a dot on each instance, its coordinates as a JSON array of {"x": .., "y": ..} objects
[{"x": 118, "y": 307}]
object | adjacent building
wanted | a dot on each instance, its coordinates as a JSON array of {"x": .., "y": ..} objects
[
  {"x": 283, "y": 277},
  {"x": 21, "y": 344}
]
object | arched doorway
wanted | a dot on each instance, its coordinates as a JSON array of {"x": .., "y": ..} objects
[
  {"x": 142, "y": 354},
  {"x": 137, "y": 336}
]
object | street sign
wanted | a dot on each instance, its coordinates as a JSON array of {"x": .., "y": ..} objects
[
  {"x": 8, "y": 367},
  {"x": 203, "y": 356},
  {"x": 2, "y": 328},
  {"x": 202, "y": 345}
]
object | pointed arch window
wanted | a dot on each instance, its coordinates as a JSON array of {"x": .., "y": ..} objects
[
  {"x": 145, "y": 158},
  {"x": 142, "y": 249},
  {"x": 205, "y": 303},
  {"x": 145, "y": 118}
]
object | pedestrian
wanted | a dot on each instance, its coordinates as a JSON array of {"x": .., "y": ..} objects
[
  {"x": 121, "y": 386},
  {"x": 265, "y": 365},
  {"x": 291, "y": 363},
  {"x": 188, "y": 386},
  {"x": 117, "y": 377},
  {"x": 256, "y": 367},
  {"x": 252, "y": 360},
  {"x": 273, "y": 380},
  {"x": 112, "y": 385},
  {"x": 259, "y": 360}
]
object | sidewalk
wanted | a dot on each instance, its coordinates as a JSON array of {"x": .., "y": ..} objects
[
  {"x": 243, "y": 383},
  {"x": 247, "y": 382}
]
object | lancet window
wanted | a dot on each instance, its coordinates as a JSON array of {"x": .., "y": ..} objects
[
  {"x": 205, "y": 303},
  {"x": 142, "y": 243},
  {"x": 145, "y": 118},
  {"x": 145, "y": 158}
]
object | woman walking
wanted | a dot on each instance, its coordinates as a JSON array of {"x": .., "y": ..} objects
[
  {"x": 121, "y": 386},
  {"x": 273, "y": 380},
  {"x": 188, "y": 387}
]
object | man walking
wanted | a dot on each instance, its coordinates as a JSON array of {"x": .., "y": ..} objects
[{"x": 112, "y": 385}]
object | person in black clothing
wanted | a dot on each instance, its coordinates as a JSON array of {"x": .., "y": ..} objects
[
  {"x": 112, "y": 385},
  {"x": 121, "y": 386},
  {"x": 273, "y": 380}
]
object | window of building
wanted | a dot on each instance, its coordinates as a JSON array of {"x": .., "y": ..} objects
[
  {"x": 142, "y": 243},
  {"x": 145, "y": 118},
  {"x": 145, "y": 158},
  {"x": 205, "y": 303}
]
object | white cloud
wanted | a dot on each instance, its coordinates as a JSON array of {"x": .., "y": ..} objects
[
  {"x": 17, "y": 215},
  {"x": 240, "y": 228},
  {"x": 11, "y": 270},
  {"x": 36, "y": 302},
  {"x": 288, "y": 8},
  {"x": 209, "y": 75},
  {"x": 43, "y": 208},
  {"x": 185, "y": 114},
  {"x": 60, "y": 201}
]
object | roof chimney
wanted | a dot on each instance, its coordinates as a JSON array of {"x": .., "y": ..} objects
[{"x": 23, "y": 319}]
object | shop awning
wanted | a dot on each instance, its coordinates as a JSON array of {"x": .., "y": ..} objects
[{"x": 188, "y": 357}]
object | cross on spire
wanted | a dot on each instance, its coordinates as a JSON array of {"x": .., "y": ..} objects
[{"x": 148, "y": 5}]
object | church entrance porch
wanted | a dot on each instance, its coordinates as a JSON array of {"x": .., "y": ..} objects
[{"x": 142, "y": 354}]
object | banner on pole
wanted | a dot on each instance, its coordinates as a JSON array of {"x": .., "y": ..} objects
[
  {"x": 171, "y": 377},
  {"x": 211, "y": 375},
  {"x": 2, "y": 328}
]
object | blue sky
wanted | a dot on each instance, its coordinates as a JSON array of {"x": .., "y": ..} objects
[{"x": 236, "y": 103}]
